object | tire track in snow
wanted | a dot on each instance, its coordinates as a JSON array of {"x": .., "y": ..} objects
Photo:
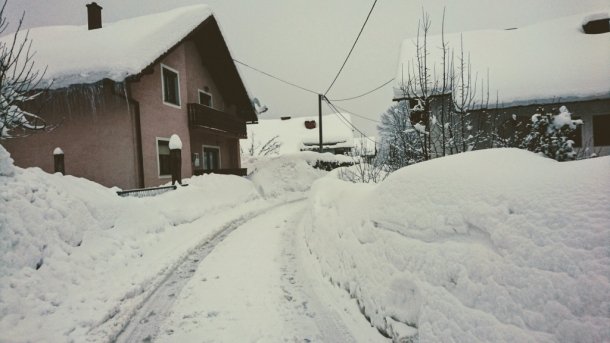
[
  {"x": 334, "y": 315},
  {"x": 143, "y": 323}
]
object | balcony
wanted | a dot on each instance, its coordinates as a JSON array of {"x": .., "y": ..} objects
[{"x": 207, "y": 117}]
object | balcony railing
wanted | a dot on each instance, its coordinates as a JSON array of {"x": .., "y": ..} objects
[{"x": 207, "y": 117}]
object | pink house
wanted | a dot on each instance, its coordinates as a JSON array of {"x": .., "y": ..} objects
[{"x": 118, "y": 91}]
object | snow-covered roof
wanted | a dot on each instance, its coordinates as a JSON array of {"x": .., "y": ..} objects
[
  {"x": 546, "y": 61},
  {"x": 294, "y": 136},
  {"x": 74, "y": 54}
]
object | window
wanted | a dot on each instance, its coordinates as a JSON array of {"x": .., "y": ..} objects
[
  {"x": 576, "y": 135},
  {"x": 205, "y": 98},
  {"x": 171, "y": 86},
  {"x": 211, "y": 158},
  {"x": 163, "y": 156},
  {"x": 601, "y": 130}
]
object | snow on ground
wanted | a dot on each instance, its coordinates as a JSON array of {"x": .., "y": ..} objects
[
  {"x": 495, "y": 245},
  {"x": 486, "y": 246},
  {"x": 98, "y": 255},
  {"x": 290, "y": 173},
  {"x": 247, "y": 290}
]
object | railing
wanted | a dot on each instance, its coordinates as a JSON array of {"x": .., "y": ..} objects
[
  {"x": 204, "y": 116},
  {"x": 145, "y": 192},
  {"x": 232, "y": 171}
]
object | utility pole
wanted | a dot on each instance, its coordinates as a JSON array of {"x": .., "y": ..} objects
[{"x": 320, "y": 96}]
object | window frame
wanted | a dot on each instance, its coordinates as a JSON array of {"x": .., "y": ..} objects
[
  {"x": 203, "y": 156},
  {"x": 157, "y": 140},
  {"x": 179, "y": 104},
  {"x": 199, "y": 91}
]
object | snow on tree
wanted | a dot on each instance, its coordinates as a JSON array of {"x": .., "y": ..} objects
[
  {"x": 18, "y": 80},
  {"x": 441, "y": 92},
  {"x": 548, "y": 134},
  {"x": 400, "y": 144}
]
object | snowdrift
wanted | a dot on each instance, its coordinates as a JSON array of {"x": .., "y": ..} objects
[
  {"x": 291, "y": 173},
  {"x": 489, "y": 246},
  {"x": 74, "y": 255}
]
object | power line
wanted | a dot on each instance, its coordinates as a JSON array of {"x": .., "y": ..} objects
[
  {"x": 337, "y": 112},
  {"x": 367, "y": 93},
  {"x": 357, "y": 115},
  {"x": 275, "y": 77},
  {"x": 352, "y": 49}
]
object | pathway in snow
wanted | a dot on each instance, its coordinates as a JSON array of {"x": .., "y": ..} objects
[
  {"x": 259, "y": 285},
  {"x": 144, "y": 323}
]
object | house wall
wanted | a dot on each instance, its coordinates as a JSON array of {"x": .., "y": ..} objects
[
  {"x": 160, "y": 120},
  {"x": 93, "y": 125},
  {"x": 199, "y": 78}
]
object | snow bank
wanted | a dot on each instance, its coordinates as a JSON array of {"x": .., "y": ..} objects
[
  {"x": 6, "y": 163},
  {"x": 74, "y": 255},
  {"x": 487, "y": 246},
  {"x": 291, "y": 173}
]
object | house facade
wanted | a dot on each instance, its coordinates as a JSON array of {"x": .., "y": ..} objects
[
  {"x": 113, "y": 120},
  {"x": 560, "y": 62}
]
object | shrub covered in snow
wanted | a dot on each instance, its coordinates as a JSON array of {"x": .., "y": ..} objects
[
  {"x": 549, "y": 134},
  {"x": 497, "y": 245}
]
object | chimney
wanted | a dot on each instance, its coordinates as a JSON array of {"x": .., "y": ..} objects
[{"x": 94, "y": 16}]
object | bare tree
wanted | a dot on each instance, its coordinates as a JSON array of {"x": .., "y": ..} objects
[
  {"x": 400, "y": 144},
  {"x": 441, "y": 96},
  {"x": 367, "y": 165},
  {"x": 19, "y": 80},
  {"x": 270, "y": 147}
]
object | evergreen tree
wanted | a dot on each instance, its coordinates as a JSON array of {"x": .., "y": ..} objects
[{"x": 548, "y": 134}]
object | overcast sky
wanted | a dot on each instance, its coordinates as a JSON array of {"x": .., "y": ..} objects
[{"x": 305, "y": 42}]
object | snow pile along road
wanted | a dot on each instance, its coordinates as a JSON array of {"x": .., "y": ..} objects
[
  {"x": 76, "y": 259},
  {"x": 291, "y": 173},
  {"x": 487, "y": 246}
]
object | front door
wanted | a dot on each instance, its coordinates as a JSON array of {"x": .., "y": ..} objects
[{"x": 211, "y": 157}]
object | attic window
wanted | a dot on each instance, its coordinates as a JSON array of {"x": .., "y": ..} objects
[{"x": 171, "y": 86}]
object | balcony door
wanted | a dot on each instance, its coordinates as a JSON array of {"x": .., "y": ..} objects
[{"x": 211, "y": 157}]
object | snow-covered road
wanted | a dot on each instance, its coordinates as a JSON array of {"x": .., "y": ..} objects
[
  {"x": 144, "y": 324},
  {"x": 257, "y": 285}
]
